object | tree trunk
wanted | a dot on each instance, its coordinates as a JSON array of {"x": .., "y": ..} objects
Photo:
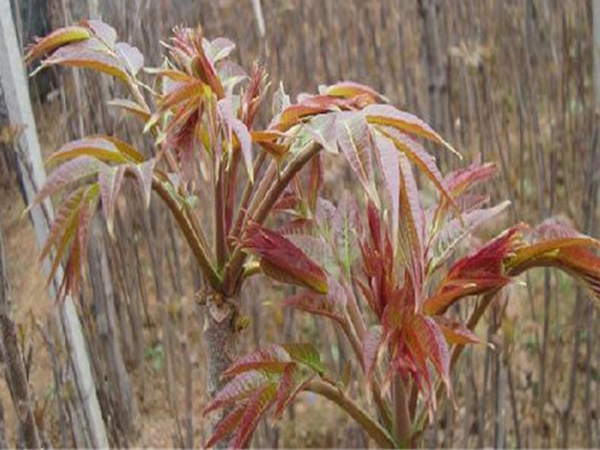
[
  {"x": 221, "y": 341},
  {"x": 31, "y": 177},
  {"x": 14, "y": 365}
]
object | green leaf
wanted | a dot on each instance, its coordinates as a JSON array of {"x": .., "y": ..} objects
[{"x": 306, "y": 354}]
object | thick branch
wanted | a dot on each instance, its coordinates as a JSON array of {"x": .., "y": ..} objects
[{"x": 370, "y": 425}]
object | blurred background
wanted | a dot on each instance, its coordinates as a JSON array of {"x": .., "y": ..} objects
[{"x": 507, "y": 81}]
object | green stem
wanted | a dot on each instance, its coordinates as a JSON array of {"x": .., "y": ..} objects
[
  {"x": 190, "y": 235},
  {"x": 370, "y": 425}
]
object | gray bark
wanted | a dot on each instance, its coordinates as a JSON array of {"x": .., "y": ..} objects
[{"x": 32, "y": 175}]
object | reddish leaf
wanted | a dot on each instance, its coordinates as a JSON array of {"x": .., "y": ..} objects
[
  {"x": 143, "y": 173},
  {"x": 110, "y": 184},
  {"x": 475, "y": 274},
  {"x": 355, "y": 141},
  {"x": 448, "y": 238},
  {"x": 370, "y": 348},
  {"x": 67, "y": 213},
  {"x": 288, "y": 396},
  {"x": 273, "y": 358},
  {"x": 257, "y": 405},
  {"x": 456, "y": 332},
  {"x": 330, "y": 305},
  {"x": 554, "y": 244},
  {"x": 203, "y": 68},
  {"x": 284, "y": 261},
  {"x": 86, "y": 215},
  {"x": 413, "y": 218},
  {"x": 69, "y": 172},
  {"x": 227, "y": 425},
  {"x": 389, "y": 164},
  {"x": 240, "y": 388},
  {"x": 434, "y": 344},
  {"x": 462, "y": 180},
  {"x": 76, "y": 55},
  {"x": 234, "y": 125}
]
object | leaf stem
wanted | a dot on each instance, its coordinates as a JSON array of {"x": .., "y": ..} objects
[
  {"x": 370, "y": 425},
  {"x": 190, "y": 234},
  {"x": 261, "y": 211}
]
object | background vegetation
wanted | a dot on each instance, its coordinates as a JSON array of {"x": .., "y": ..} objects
[{"x": 508, "y": 81}]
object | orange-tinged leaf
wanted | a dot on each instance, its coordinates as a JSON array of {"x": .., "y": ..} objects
[
  {"x": 403, "y": 121},
  {"x": 126, "y": 149},
  {"x": 282, "y": 260},
  {"x": 456, "y": 332},
  {"x": 132, "y": 108},
  {"x": 294, "y": 114},
  {"x": 97, "y": 147},
  {"x": 350, "y": 89},
  {"x": 267, "y": 140},
  {"x": 553, "y": 244},
  {"x": 184, "y": 92},
  {"x": 56, "y": 39},
  {"x": 423, "y": 160}
]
